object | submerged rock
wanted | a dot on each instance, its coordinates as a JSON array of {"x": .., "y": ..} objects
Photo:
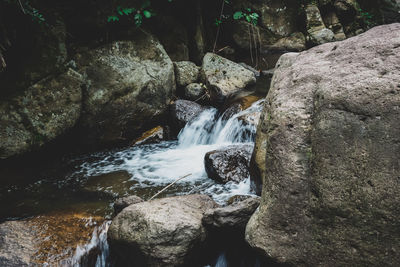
[
  {"x": 229, "y": 164},
  {"x": 162, "y": 232},
  {"x": 183, "y": 112},
  {"x": 40, "y": 114},
  {"x": 225, "y": 78},
  {"x": 154, "y": 135},
  {"x": 49, "y": 239},
  {"x": 130, "y": 84},
  {"x": 233, "y": 216},
  {"x": 327, "y": 150}
]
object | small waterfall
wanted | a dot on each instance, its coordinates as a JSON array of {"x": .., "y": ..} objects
[
  {"x": 160, "y": 164},
  {"x": 95, "y": 253},
  {"x": 205, "y": 131}
]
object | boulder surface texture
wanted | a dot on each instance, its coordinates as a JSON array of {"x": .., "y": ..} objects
[
  {"x": 327, "y": 151},
  {"x": 162, "y": 232},
  {"x": 130, "y": 84},
  {"x": 229, "y": 164},
  {"x": 225, "y": 78},
  {"x": 39, "y": 114}
]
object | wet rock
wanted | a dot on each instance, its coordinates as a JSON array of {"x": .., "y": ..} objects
[
  {"x": 252, "y": 118},
  {"x": 18, "y": 244},
  {"x": 123, "y": 202},
  {"x": 234, "y": 216},
  {"x": 186, "y": 72},
  {"x": 225, "y": 78},
  {"x": 317, "y": 32},
  {"x": 130, "y": 84},
  {"x": 238, "y": 104},
  {"x": 39, "y": 241},
  {"x": 162, "y": 232},
  {"x": 195, "y": 91},
  {"x": 246, "y": 101},
  {"x": 40, "y": 114},
  {"x": 182, "y": 112},
  {"x": 229, "y": 164},
  {"x": 152, "y": 136},
  {"x": 231, "y": 111},
  {"x": 327, "y": 151}
]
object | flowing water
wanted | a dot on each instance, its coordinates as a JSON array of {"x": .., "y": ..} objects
[{"x": 90, "y": 183}]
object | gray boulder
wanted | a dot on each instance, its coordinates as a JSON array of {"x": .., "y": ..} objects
[
  {"x": 225, "y": 78},
  {"x": 327, "y": 151},
  {"x": 317, "y": 32},
  {"x": 186, "y": 72},
  {"x": 229, "y": 164},
  {"x": 234, "y": 216},
  {"x": 41, "y": 113},
  {"x": 162, "y": 232},
  {"x": 130, "y": 84}
]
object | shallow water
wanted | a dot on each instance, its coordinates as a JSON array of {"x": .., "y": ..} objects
[{"x": 90, "y": 183}]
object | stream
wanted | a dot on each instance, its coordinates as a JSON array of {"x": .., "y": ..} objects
[{"x": 90, "y": 183}]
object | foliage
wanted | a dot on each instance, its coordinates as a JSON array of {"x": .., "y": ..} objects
[
  {"x": 367, "y": 17},
  {"x": 27, "y": 9},
  {"x": 248, "y": 15},
  {"x": 138, "y": 14}
]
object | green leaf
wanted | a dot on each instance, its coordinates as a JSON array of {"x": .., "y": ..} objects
[
  {"x": 112, "y": 19},
  {"x": 238, "y": 15},
  {"x": 147, "y": 14},
  {"x": 138, "y": 19}
]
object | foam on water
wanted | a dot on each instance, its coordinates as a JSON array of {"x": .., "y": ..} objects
[{"x": 161, "y": 164}]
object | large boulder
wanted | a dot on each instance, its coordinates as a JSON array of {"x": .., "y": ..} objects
[
  {"x": 130, "y": 84},
  {"x": 225, "y": 78},
  {"x": 327, "y": 151},
  {"x": 229, "y": 164},
  {"x": 162, "y": 232},
  {"x": 41, "y": 113}
]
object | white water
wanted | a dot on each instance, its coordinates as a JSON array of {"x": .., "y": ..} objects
[
  {"x": 161, "y": 164},
  {"x": 98, "y": 243}
]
